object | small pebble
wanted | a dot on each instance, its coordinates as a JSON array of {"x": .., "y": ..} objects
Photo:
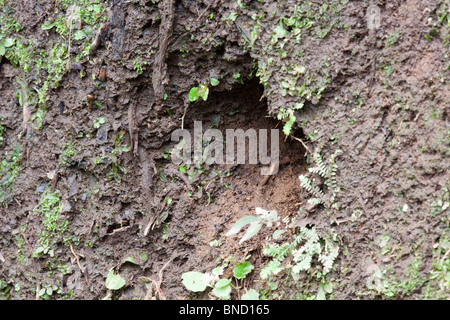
[{"x": 41, "y": 188}]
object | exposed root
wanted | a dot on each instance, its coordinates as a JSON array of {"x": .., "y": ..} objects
[{"x": 156, "y": 285}]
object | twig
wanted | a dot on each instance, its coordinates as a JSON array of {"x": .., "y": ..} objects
[
  {"x": 151, "y": 223},
  {"x": 445, "y": 255},
  {"x": 43, "y": 14},
  {"x": 92, "y": 225},
  {"x": 301, "y": 141},
  {"x": 55, "y": 180},
  {"x": 149, "y": 295},
  {"x": 2, "y": 259},
  {"x": 45, "y": 162},
  {"x": 161, "y": 271},
  {"x": 24, "y": 237},
  {"x": 119, "y": 230},
  {"x": 76, "y": 257},
  {"x": 157, "y": 285},
  {"x": 184, "y": 115},
  {"x": 272, "y": 169},
  {"x": 68, "y": 64},
  {"x": 372, "y": 71},
  {"x": 62, "y": 205},
  {"x": 17, "y": 202},
  {"x": 38, "y": 288},
  {"x": 204, "y": 11},
  {"x": 79, "y": 264}
]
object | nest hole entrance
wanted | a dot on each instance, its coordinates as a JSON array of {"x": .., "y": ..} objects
[{"x": 245, "y": 186}]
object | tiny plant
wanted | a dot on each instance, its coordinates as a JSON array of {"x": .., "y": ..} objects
[
  {"x": 198, "y": 282},
  {"x": 303, "y": 247},
  {"x": 5, "y": 43},
  {"x": 197, "y": 92},
  {"x": 254, "y": 223},
  {"x": 98, "y": 122},
  {"x": 214, "y": 82},
  {"x": 328, "y": 172}
]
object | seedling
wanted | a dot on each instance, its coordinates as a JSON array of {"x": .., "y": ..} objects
[
  {"x": 241, "y": 270},
  {"x": 114, "y": 281},
  {"x": 214, "y": 82},
  {"x": 197, "y": 92},
  {"x": 5, "y": 43},
  {"x": 237, "y": 76},
  {"x": 198, "y": 282},
  {"x": 98, "y": 122}
]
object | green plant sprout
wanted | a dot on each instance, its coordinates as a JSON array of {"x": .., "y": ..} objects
[{"x": 197, "y": 92}]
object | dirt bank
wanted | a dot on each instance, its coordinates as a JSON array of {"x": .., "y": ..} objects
[{"x": 91, "y": 92}]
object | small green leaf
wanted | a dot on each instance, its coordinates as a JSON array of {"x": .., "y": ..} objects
[
  {"x": 324, "y": 288},
  {"x": 434, "y": 32},
  {"x": 8, "y": 42},
  {"x": 98, "y": 104},
  {"x": 222, "y": 289},
  {"x": 113, "y": 281},
  {"x": 251, "y": 231},
  {"x": 130, "y": 259},
  {"x": 285, "y": 84},
  {"x": 328, "y": 287},
  {"x": 222, "y": 283},
  {"x": 384, "y": 240},
  {"x": 303, "y": 265},
  {"x": 194, "y": 94},
  {"x": 241, "y": 223},
  {"x": 2, "y": 49},
  {"x": 98, "y": 122},
  {"x": 250, "y": 295},
  {"x": 233, "y": 16},
  {"x": 41, "y": 292},
  {"x": 218, "y": 271},
  {"x": 273, "y": 267},
  {"x": 79, "y": 35},
  {"x": 203, "y": 91},
  {"x": 299, "y": 69},
  {"x": 49, "y": 291},
  {"x": 48, "y": 26},
  {"x": 214, "y": 82},
  {"x": 241, "y": 270},
  {"x": 321, "y": 293},
  {"x": 280, "y": 31},
  {"x": 277, "y": 234},
  {"x": 193, "y": 281},
  {"x": 288, "y": 125}
]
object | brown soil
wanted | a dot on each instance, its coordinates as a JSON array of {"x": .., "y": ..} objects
[{"x": 393, "y": 131}]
